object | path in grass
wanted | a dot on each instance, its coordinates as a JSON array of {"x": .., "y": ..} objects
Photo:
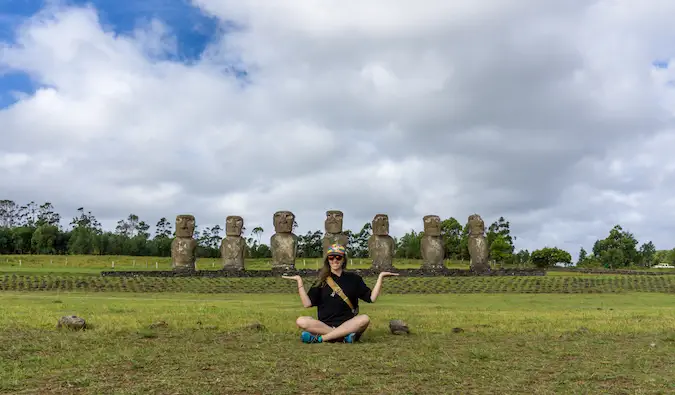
[{"x": 541, "y": 344}]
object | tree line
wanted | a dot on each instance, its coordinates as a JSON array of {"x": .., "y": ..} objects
[{"x": 36, "y": 229}]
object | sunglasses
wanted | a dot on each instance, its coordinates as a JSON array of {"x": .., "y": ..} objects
[{"x": 334, "y": 258}]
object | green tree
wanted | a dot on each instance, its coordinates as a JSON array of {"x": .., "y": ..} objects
[
  {"x": 622, "y": 241},
  {"x": 549, "y": 256},
  {"x": 451, "y": 231},
  {"x": 501, "y": 250},
  {"x": 647, "y": 254}
]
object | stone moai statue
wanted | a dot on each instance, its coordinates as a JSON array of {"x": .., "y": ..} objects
[
  {"x": 233, "y": 246},
  {"x": 381, "y": 245},
  {"x": 433, "y": 248},
  {"x": 184, "y": 246},
  {"x": 333, "y": 226},
  {"x": 284, "y": 243},
  {"x": 478, "y": 249}
]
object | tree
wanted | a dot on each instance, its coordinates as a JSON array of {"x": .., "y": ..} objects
[
  {"x": 522, "y": 257},
  {"x": 549, "y": 256},
  {"x": 647, "y": 254},
  {"x": 501, "y": 250},
  {"x": 623, "y": 242},
  {"x": 501, "y": 227},
  {"x": 583, "y": 255},
  {"x": 451, "y": 232}
]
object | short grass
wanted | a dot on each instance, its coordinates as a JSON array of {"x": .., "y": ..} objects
[
  {"x": 530, "y": 344},
  {"x": 94, "y": 264}
]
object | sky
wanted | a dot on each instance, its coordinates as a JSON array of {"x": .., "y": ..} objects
[{"x": 557, "y": 116}]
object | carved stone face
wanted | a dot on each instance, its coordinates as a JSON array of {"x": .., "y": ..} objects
[
  {"x": 432, "y": 225},
  {"x": 381, "y": 225},
  {"x": 283, "y": 221},
  {"x": 476, "y": 225},
  {"x": 185, "y": 225},
  {"x": 234, "y": 225},
  {"x": 333, "y": 222}
]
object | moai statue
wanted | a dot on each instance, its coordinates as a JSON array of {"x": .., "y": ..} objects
[
  {"x": 381, "y": 245},
  {"x": 284, "y": 243},
  {"x": 183, "y": 246},
  {"x": 233, "y": 246},
  {"x": 478, "y": 249},
  {"x": 433, "y": 249},
  {"x": 334, "y": 235}
]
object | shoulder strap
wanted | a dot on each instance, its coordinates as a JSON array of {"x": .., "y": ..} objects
[{"x": 338, "y": 290}]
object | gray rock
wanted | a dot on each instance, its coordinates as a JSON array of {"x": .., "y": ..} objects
[
  {"x": 72, "y": 322},
  {"x": 398, "y": 327}
]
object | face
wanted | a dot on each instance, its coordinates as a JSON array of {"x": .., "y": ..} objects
[
  {"x": 432, "y": 225},
  {"x": 283, "y": 221},
  {"x": 185, "y": 226},
  {"x": 381, "y": 225},
  {"x": 233, "y": 225},
  {"x": 333, "y": 222},
  {"x": 476, "y": 225},
  {"x": 335, "y": 261}
]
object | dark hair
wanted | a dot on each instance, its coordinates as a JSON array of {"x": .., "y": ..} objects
[{"x": 324, "y": 272}]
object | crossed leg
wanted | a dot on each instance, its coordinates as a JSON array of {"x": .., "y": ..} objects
[{"x": 357, "y": 324}]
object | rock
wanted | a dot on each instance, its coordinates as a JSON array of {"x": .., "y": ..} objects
[
  {"x": 71, "y": 322},
  {"x": 398, "y": 327},
  {"x": 159, "y": 324},
  {"x": 255, "y": 326}
]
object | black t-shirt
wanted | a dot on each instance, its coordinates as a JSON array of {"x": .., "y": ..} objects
[{"x": 332, "y": 310}]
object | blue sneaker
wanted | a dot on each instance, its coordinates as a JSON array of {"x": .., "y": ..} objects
[
  {"x": 350, "y": 338},
  {"x": 310, "y": 338}
]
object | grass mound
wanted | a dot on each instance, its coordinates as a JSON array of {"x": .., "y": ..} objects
[{"x": 395, "y": 285}]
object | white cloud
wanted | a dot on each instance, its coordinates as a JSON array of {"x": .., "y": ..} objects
[{"x": 548, "y": 113}]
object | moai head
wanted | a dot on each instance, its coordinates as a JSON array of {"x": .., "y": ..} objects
[
  {"x": 476, "y": 225},
  {"x": 283, "y": 221},
  {"x": 234, "y": 225},
  {"x": 381, "y": 225},
  {"x": 185, "y": 225},
  {"x": 333, "y": 222},
  {"x": 432, "y": 225}
]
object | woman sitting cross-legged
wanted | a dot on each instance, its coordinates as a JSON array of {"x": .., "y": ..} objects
[{"x": 336, "y": 295}]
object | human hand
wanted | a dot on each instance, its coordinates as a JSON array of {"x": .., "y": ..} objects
[
  {"x": 296, "y": 278},
  {"x": 387, "y": 274}
]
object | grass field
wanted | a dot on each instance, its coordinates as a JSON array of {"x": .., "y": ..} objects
[
  {"x": 537, "y": 344},
  {"x": 561, "y": 333}
]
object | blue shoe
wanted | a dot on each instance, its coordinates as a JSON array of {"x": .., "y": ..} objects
[
  {"x": 309, "y": 338},
  {"x": 350, "y": 338}
]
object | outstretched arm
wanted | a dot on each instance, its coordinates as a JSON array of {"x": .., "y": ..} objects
[
  {"x": 306, "y": 302},
  {"x": 378, "y": 285}
]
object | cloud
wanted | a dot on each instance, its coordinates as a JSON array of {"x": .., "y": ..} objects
[{"x": 552, "y": 115}]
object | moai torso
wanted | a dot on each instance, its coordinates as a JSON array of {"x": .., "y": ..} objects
[
  {"x": 334, "y": 235},
  {"x": 233, "y": 246},
  {"x": 433, "y": 248},
  {"x": 478, "y": 249},
  {"x": 183, "y": 246},
  {"x": 381, "y": 245},
  {"x": 284, "y": 243}
]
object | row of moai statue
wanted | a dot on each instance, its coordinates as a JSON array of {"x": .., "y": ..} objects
[{"x": 284, "y": 244}]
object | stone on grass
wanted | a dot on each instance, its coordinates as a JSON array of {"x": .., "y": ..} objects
[
  {"x": 159, "y": 324},
  {"x": 255, "y": 326},
  {"x": 71, "y": 322},
  {"x": 398, "y": 327}
]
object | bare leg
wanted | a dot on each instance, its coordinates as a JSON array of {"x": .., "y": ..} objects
[
  {"x": 312, "y": 325},
  {"x": 356, "y": 324}
]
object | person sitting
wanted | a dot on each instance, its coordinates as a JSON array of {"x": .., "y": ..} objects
[{"x": 336, "y": 295}]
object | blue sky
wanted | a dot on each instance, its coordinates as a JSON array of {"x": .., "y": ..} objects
[{"x": 192, "y": 28}]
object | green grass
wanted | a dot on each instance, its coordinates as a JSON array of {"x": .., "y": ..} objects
[{"x": 535, "y": 344}]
